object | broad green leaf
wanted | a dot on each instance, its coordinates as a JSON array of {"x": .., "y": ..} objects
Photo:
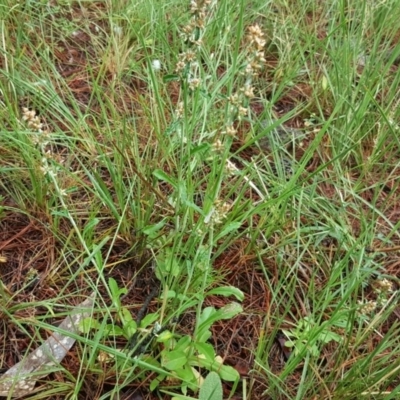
[
  {"x": 130, "y": 328},
  {"x": 114, "y": 330},
  {"x": 165, "y": 336},
  {"x": 211, "y": 389},
  {"x": 162, "y": 176},
  {"x": 112, "y": 284},
  {"x": 183, "y": 343},
  {"x": 168, "y": 264},
  {"x": 125, "y": 315},
  {"x": 233, "y": 226},
  {"x": 152, "y": 230},
  {"x": 314, "y": 350},
  {"x": 329, "y": 336},
  {"x": 156, "y": 382},
  {"x": 171, "y": 294},
  {"x": 289, "y": 334},
  {"x": 206, "y": 314},
  {"x": 226, "y": 372},
  {"x": 148, "y": 319},
  {"x": 87, "y": 324},
  {"x": 324, "y": 83},
  {"x": 227, "y": 291},
  {"x": 186, "y": 375},
  {"x": 230, "y": 310},
  {"x": 174, "y": 360},
  {"x": 203, "y": 334},
  {"x": 206, "y": 349},
  {"x": 172, "y": 128},
  {"x": 210, "y": 315},
  {"x": 205, "y": 321},
  {"x": 173, "y": 267},
  {"x": 116, "y": 292}
]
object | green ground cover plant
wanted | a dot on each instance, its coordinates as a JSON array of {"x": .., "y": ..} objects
[{"x": 221, "y": 179}]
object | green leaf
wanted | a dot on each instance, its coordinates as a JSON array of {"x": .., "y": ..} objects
[
  {"x": 193, "y": 206},
  {"x": 125, "y": 315},
  {"x": 87, "y": 324},
  {"x": 226, "y": 372},
  {"x": 183, "y": 343},
  {"x": 152, "y": 230},
  {"x": 329, "y": 336},
  {"x": 174, "y": 359},
  {"x": 206, "y": 314},
  {"x": 165, "y": 336},
  {"x": 156, "y": 382},
  {"x": 186, "y": 375},
  {"x": 199, "y": 148},
  {"x": 226, "y": 312},
  {"x": 289, "y": 334},
  {"x": 116, "y": 292},
  {"x": 210, "y": 315},
  {"x": 90, "y": 225},
  {"x": 148, "y": 319},
  {"x": 203, "y": 334},
  {"x": 61, "y": 213},
  {"x": 171, "y": 294},
  {"x": 162, "y": 176},
  {"x": 205, "y": 321},
  {"x": 170, "y": 77},
  {"x": 324, "y": 82},
  {"x": 128, "y": 324},
  {"x": 173, "y": 267},
  {"x": 211, "y": 389},
  {"x": 172, "y": 128},
  {"x": 103, "y": 192},
  {"x": 233, "y": 226},
  {"x": 130, "y": 328},
  {"x": 205, "y": 349},
  {"x": 169, "y": 264},
  {"x": 114, "y": 330},
  {"x": 227, "y": 291}
]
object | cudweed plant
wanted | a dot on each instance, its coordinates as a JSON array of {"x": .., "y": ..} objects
[
  {"x": 308, "y": 337},
  {"x": 182, "y": 357}
]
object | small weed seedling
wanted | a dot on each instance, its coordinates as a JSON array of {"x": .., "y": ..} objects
[{"x": 308, "y": 337}]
